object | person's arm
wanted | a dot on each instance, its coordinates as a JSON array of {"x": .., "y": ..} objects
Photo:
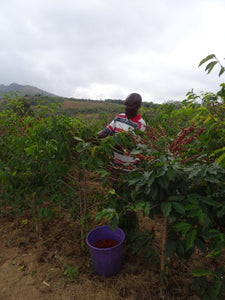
[
  {"x": 102, "y": 134},
  {"x": 107, "y": 130}
]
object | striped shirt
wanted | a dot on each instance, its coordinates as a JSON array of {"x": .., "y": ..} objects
[{"x": 119, "y": 124}]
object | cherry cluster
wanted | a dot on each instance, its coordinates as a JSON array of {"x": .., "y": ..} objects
[
  {"x": 153, "y": 137},
  {"x": 217, "y": 110},
  {"x": 24, "y": 127},
  {"x": 184, "y": 138}
]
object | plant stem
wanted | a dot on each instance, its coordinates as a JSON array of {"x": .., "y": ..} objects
[
  {"x": 164, "y": 241},
  {"x": 79, "y": 171}
]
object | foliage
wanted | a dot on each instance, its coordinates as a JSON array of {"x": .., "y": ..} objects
[
  {"x": 18, "y": 105},
  {"x": 71, "y": 272},
  {"x": 209, "y": 289},
  {"x": 211, "y": 65},
  {"x": 37, "y": 153},
  {"x": 141, "y": 244},
  {"x": 45, "y": 157},
  {"x": 211, "y": 115},
  {"x": 180, "y": 175}
]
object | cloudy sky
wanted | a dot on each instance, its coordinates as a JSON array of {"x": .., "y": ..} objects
[{"x": 101, "y": 49}]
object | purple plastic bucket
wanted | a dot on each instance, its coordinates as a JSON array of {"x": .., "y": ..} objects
[{"x": 107, "y": 261}]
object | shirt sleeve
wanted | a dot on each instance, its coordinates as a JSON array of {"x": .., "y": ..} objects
[
  {"x": 142, "y": 125},
  {"x": 110, "y": 128}
]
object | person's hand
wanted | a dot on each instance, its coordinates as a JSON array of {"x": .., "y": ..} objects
[
  {"x": 93, "y": 139},
  {"x": 102, "y": 134}
]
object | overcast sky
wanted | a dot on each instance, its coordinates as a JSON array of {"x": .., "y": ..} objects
[{"x": 101, "y": 49}]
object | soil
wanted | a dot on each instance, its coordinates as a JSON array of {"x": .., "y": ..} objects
[
  {"x": 48, "y": 263},
  {"x": 50, "y": 260}
]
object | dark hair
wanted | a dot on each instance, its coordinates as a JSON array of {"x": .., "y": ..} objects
[{"x": 135, "y": 97}]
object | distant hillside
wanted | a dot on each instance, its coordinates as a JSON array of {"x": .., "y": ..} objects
[{"x": 23, "y": 89}]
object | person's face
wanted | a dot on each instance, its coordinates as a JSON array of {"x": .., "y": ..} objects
[{"x": 131, "y": 107}]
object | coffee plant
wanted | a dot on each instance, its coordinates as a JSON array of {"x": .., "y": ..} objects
[{"x": 45, "y": 159}]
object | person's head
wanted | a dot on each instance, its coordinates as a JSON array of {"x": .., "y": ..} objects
[{"x": 132, "y": 104}]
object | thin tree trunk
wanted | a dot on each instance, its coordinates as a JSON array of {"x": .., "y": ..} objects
[
  {"x": 164, "y": 241},
  {"x": 82, "y": 183}
]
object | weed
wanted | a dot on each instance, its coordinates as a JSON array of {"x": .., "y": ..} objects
[{"x": 71, "y": 273}]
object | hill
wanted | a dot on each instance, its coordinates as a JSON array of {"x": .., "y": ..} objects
[{"x": 23, "y": 90}]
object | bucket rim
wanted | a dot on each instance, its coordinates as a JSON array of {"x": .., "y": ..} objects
[{"x": 105, "y": 249}]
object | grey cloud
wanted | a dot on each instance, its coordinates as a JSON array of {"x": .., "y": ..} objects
[{"x": 98, "y": 46}]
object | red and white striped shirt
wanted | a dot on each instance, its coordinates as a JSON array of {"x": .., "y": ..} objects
[{"x": 119, "y": 124}]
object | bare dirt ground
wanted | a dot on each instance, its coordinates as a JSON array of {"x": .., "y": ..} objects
[
  {"x": 46, "y": 261},
  {"x": 33, "y": 263}
]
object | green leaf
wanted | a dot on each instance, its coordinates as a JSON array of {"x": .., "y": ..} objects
[
  {"x": 183, "y": 228},
  {"x": 164, "y": 182},
  {"x": 170, "y": 173},
  {"x": 180, "y": 249},
  {"x": 193, "y": 198},
  {"x": 219, "y": 150},
  {"x": 200, "y": 244},
  {"x": 143, "y": 206},
  {"x": 150, "y": 181},
  {"x": 201, "y": 216},
  {"x": 222, "y": 70},
  {"x": 166, "y": 208},
  {"x": 210, "y": 66},
  {"x": 179, "y": 208},
  {"x": 78, "y": 139},
  {"x": 171, "y": 248},
  {"x": 191, "y": 239},
  {"x": 107, "y": 213},
  {"x": 221, "y": 212},
  {"x": 103, "y": 173},
  {"x": 213, "y": 233},
  {"x": 33, "y": 273},
  {"x": 154, "y": 193},
  {"x": 211, "y": 56},
  {"x": 194, "y": 173},
  {"x": 203, "y": 171},
  {"x": 21, "y": 268},
  {"x": 114, "y": 222},
  {"x": 146, "y": 175},
  {"x": 202, "y": 272},
  {"x": 209, "y": 201},
  {"x": 82, "y": 147},
  {"x": 213, "y": 180},
  {"x": 176, "y": 198},
  {"x": 221, "y": 158},
  {"x": 159, "y": 173}
]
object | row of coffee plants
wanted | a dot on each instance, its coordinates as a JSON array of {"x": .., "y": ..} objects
[
  {"x": 179, "y": 178},
  {"x": 41, "y": 160}
]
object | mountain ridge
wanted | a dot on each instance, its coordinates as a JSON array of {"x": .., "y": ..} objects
[{"x": 23, "y": 90}]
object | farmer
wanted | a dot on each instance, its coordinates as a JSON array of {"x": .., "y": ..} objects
[
  {"x": 121, "y": 162},
  {"x": 125, "y": 122}
]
